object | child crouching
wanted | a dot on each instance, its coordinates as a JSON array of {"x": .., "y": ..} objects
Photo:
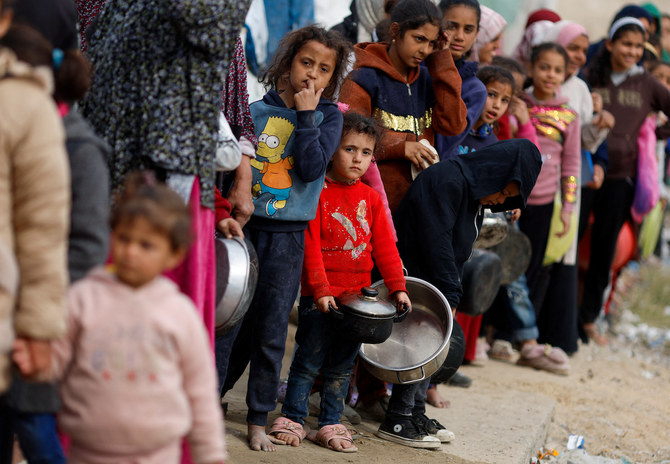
[
  {"x": 137, "y": 370},
  {"x": 349, "y": 231}
]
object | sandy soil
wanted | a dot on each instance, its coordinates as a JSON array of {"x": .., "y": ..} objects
[{"x": 616, "y": 397}]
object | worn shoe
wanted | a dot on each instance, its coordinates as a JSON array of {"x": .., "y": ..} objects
[
  {"x": 403, "y": 431},
  {"x": 433, "y": 427},
  {"x": 502, "y": 350},
  {"x": 545, "y": 357},
  {"x": 459, "y": 380}
]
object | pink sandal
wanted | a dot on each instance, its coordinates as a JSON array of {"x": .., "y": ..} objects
[
  {"x": 285, "y": 425},
  {"x": 330, "y": 432}
]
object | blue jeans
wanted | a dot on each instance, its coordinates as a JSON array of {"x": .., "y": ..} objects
[
  {"x": 320, "y": 347},
  {"x": 283, "y": 16},
  {"x": 37, "y": 437},
  {"x": 260, "y": 339},
  {"x": 522, "y": 313}
]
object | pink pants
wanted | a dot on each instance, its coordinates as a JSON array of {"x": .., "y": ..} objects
[{"x": 168, "y": 454}]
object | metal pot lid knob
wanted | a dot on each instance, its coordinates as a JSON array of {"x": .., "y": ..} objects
[{"x": 369, "y": 294}]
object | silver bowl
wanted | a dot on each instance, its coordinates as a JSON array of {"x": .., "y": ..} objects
[{"x": 417, "y": 346}]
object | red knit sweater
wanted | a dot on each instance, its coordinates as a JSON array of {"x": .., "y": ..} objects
[{"x": 349, "y": 231}]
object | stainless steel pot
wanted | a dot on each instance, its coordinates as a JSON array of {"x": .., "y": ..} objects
[
  {"x": 514, "y": 254},
  {"x": 417, "y": 346},
  {"x": 236, "y": 278},
  {"x": 494, "y": 230},
  {"x": 365, "y": 317}
]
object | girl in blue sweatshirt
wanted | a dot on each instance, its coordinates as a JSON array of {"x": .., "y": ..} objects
[{"x": 298, "y": 129}]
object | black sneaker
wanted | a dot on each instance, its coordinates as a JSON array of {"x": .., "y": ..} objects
[
  {"x": 402, "y": 430},
  {"x": 459, "y": 380},
  {"x": 433, "y": 427}
]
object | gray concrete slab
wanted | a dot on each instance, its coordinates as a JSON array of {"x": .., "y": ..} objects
[{"x": 492, "y": 426}]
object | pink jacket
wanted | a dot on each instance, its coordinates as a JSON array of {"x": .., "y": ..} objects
[
  {"x": 137, "y": 370},
  {"x": 559, "y": 140}
]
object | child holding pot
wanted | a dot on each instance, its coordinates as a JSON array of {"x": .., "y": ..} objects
[
  {"x": 437, "y": 223},
  {"x": 349, "y": 231}
]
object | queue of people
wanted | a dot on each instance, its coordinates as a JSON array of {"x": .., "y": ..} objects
[{"x": 363, "y": 158}]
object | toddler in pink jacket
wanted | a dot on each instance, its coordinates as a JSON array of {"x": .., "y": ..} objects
[{"x": 136, "y": 367}]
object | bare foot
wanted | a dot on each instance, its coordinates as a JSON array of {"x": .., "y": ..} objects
[
  {"x": 339, "y": 444},
  {"x": 435, "y": 399},
  {"x": 288, "y": 438},
  {"x": 592, "y": 332},
  {"x": 258, "y": 440}
]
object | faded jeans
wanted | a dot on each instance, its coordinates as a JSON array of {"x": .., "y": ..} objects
[{"x": 321, "y": 347}]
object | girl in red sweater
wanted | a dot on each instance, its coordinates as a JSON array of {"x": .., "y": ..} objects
[{"x": 349, "y": 231}]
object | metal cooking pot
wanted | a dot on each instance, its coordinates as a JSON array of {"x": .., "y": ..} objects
[
  {"x": 454, "y": 357},
  {"x": 365, "y": 317},
  {"x": 494, "y": 230},
  {"x": 514, "y": 254},
  {"x": 236, "y": 278},
  {"x": 419, "y": 345},
  {"x": 482, "y": 274}
]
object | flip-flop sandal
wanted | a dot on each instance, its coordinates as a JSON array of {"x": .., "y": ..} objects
[
  {"x": 285, "y": 425},
  {"x": 330, "y": 432}
]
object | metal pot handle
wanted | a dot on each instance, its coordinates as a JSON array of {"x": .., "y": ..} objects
[
  {"x": 336, "y": 313},
  {"x": 403, "y": 382},
  {"x": 401, "y": 317}
]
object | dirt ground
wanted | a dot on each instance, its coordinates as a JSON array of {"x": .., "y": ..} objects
[{"x": 616, "y": 397}]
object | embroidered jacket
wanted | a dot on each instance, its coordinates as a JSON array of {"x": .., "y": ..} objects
[{"x": 410, "y": 109}]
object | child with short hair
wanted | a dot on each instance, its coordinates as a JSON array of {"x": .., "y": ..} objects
[
  {"x": 136, "y": 365},
  {"x": 349, "y": 231},
  {"x": 298, "y": 129}
]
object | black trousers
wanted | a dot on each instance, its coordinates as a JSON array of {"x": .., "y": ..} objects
[{"x": 611, "y": 208}]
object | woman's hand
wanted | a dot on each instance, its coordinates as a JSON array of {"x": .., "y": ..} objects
[
  {"x": 240, "y": 198},
  {"x": 401, "y": 300},
  {"x": 324, "y": 303},
  {"x": 419, "y": 154}
]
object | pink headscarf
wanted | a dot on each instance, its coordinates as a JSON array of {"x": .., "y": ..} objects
[
  {"x": 490, "y": 26},
  {"x": 564, "y": 32}
]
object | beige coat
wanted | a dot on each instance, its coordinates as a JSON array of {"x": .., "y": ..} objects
[{"x": 34, "y": 209}]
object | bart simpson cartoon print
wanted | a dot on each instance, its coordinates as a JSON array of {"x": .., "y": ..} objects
[{"x": 276, "y": 179}]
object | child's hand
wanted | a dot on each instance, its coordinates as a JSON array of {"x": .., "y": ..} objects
[
  {"x": 519, "y": 110},
  {"x": 32, "y": 357},
  {"x": 597, "y": 102},
  {"x": 598, "y": 177},
  {"x": 418, "y": 154},
  {"x": 323, "y": 304},
  {"x": 230, "y": 228},
  {"x": 443, "y": 41},
  {"x": 401, "y": 300},
  {"x": 566, "y": 217},
  {"x": 514, "y": 215},
  {"x": 307, "y": 99},
  {"x": 604, "y": 120}
]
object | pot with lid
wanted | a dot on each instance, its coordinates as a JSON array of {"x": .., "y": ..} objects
[{"x": 365, "y": 317}]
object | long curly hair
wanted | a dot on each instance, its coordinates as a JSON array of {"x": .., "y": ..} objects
[{"x": 275, "y": 74}]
